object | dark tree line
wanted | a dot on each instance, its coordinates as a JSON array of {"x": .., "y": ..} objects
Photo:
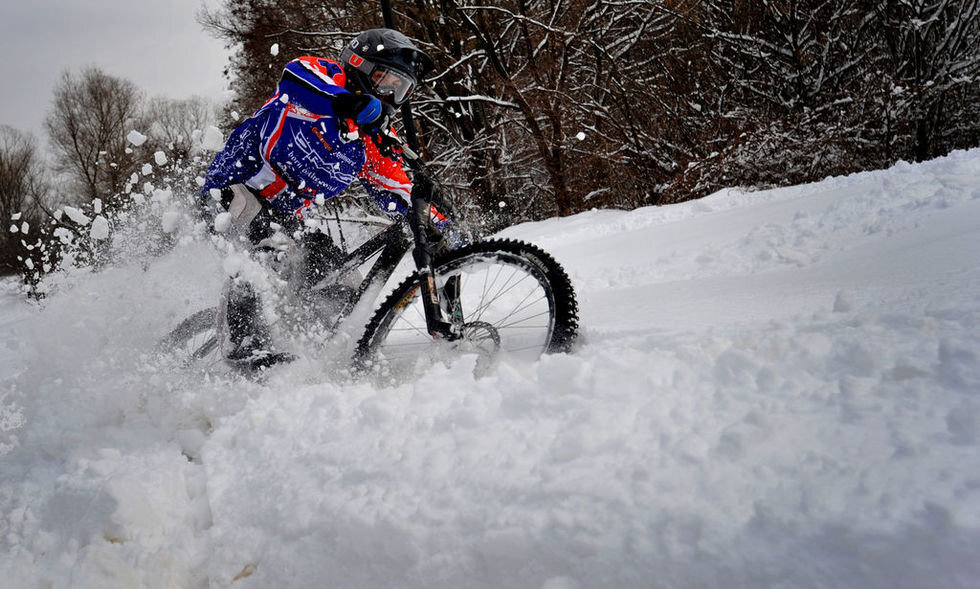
[
  {"x": 549, "y": 107},
  {"x": 518, "y": 84},
  {"x": 802, "y": 89}
]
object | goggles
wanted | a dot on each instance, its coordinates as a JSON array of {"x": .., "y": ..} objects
[{"x": 390, "y": 82}]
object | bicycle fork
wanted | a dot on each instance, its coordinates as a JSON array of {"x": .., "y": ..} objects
[{"x": 435, "y": 321}]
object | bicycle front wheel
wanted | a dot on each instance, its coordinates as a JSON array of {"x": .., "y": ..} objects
[{"x": 508, "y": 299}]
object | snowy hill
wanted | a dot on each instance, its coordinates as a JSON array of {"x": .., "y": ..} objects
[{"x": 773, "y": 389}]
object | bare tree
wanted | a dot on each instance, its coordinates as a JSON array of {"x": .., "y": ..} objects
[
  {"x": 87, "y": 128},
  {"x": 295, "y": 27},
  {"x": 22, "y": 187},
  {"x": 175, "y": 124},
  {"x": 934, "y": 75},
  {"x": 544, "y": 96},
  {"x": 174, "y": 128}
]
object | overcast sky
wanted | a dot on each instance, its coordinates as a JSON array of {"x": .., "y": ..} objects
[{"x": 157, "y": 44}]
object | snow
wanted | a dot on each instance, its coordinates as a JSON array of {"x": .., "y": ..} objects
[
  {"x": 222, "y": 222},
  {"x": 136, "y": 138},
  {"x": 170, "y": 221},
  {"x": 77, "y": 216},
  {"x": 100, "y": 228},
  {"x": 772, "y": 389}
]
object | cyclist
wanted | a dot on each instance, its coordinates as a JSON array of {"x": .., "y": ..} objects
[{"x": 327, "y": 125}]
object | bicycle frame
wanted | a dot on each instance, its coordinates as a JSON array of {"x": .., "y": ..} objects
[{"x": 390, "y": 246}]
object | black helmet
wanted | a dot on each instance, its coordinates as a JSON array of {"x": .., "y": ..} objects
[{"x": 385, "y": 63}]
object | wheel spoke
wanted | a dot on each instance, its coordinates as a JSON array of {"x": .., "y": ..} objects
[
  {"x": 508, "y": 301},
  {"x": 514, "y": 323}
]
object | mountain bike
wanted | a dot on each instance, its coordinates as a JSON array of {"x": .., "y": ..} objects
[{"x": 493, "y": 298}]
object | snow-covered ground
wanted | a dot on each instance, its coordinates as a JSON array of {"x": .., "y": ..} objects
[{"x": 772, "y": 389}]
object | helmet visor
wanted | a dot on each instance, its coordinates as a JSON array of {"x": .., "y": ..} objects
[{"x": 387, "y": 81}]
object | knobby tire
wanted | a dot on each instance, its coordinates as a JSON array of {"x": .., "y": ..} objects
[{"x": 533, "y": 270}]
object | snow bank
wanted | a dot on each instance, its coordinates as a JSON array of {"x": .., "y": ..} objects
[{"x": 773, "y": 388}]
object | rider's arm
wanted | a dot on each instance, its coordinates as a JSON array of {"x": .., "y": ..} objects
[
  {"x": 388, "y": 184},
  {"x": 317, "y": 85},
  {"x": 313, "y": 83},
  {"x": 386, "y": 181}
]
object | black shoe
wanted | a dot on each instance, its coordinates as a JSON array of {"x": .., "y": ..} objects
[{"x": 249, "y": 336}]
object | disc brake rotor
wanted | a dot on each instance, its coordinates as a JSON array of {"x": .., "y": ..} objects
[{"x": 479, "y": 337}]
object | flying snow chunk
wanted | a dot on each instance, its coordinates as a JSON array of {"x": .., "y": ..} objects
[
  {"x": 580, "y": 136},
  {"x": 100, "y": 228},
  {"x": 160, "y": 158},
  {"x": 274, "y": 50},
  {"x": 213, "y": 140},
  {"x": 77, "y": 216},
  {"x": 222, "y": 222},
  {"x": 136, "y": 138},
  {"x": 147, "y": 169}
]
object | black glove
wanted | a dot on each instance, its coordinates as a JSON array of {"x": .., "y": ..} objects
[
  {"x": 363, "y": 109},
  {"x": 373, "y": 119}
]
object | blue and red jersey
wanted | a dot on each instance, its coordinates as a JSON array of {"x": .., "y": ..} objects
[{"x": 294, "y": 150}]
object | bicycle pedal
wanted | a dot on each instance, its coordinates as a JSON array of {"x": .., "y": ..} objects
[{"x": 261, "y": 360}]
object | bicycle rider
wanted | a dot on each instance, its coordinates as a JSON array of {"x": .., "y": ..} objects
[{"x": 327, "y": 125}]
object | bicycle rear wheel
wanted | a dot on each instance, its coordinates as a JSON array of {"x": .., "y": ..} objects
[
  {"x": 514, "y": 300},
  {"x": 195, "y": 341}
]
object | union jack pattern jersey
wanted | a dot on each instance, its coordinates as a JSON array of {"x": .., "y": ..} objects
[{"x": 294, "y": 150}]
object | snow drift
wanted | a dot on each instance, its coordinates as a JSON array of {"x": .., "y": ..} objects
[{"x": 772, "y": 389}]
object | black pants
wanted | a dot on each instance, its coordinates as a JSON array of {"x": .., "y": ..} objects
[{"x": 320, "y": 257}]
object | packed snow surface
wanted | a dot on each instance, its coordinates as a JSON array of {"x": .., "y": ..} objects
[{"x": 772, "y": 389}]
